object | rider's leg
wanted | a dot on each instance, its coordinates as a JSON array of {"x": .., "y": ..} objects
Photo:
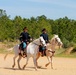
[
  {"x": 43, "y": 51},
  {"x": 20, "y": 48}
]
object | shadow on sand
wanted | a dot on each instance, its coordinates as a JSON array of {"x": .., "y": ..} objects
[{"x": 26, "y": 69}]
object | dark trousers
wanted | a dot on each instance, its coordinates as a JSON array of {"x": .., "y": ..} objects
[{"x": 42, "y": 50}]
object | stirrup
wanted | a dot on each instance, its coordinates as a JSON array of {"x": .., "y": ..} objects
[{"x": 20, "y": 54}]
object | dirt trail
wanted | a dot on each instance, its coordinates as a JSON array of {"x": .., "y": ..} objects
[{"x": 62, "y": 66}]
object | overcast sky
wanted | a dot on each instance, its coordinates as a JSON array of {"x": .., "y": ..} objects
[{"x": 52, "y": 9}]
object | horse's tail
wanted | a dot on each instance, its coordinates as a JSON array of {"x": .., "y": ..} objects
[{"x": 9, "y": 50}]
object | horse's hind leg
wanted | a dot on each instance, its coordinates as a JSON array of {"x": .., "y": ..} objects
[
  {"x": 51, "y": 63},
  {"x": 18, "y": 61},
  {"x": 38, "y": 55},
  {"x": 14, "y": 58},
  {"x": 35, "y": 62},
  {"x": 26, "y": 62}
]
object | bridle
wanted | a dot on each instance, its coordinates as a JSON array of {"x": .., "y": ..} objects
[{"x": 57, "y": 41}]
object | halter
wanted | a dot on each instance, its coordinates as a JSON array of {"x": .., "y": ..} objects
[
  {"x": 55, "y": 40},
  {"x": 58, "y": 41},
  {"x": 35, "y": 44}
]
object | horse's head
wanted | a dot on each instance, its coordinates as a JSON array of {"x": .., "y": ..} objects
[
  {"x": 42, "y": 41},
  {"x": 51, "y": 46},
  {"x": 58, "y": 40}
]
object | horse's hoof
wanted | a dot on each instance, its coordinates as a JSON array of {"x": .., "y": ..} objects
[
  {"x": 35, "y": 69},
  {"x": 46, "y": 65},
  {"x": 24, "y": 67},
  {"x": 12, "y": 66},
  {"x": 19, "y": 68},
  {"x": 38, "y": 66},
  {"x": 51, "y": 67}
]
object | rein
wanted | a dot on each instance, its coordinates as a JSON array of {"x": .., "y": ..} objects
[
  {"x": 35, "y": 44},
  {"x": 51, "y": 51}
]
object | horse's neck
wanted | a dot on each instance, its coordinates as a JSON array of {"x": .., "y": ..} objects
[
  {"x": 53, "y": 44},
  {"x": 36, "y": 41},
  {"x": 48, "y": 46}
]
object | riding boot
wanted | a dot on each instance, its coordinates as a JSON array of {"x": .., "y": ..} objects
[
  {"x": 24, "y": 54},
  {"x": 42, "y": 53},
  {"x": 45, "y": 52}
]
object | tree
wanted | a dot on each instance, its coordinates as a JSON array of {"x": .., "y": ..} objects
[{"x": 2, "y": 12}]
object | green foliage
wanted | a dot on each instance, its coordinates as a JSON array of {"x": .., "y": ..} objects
[
  {"x": 74, "y": 50},
  {"x": 2, "y": 12},
  {"x": 65, "y": 42},
  {"x": 11, "y": 29}
]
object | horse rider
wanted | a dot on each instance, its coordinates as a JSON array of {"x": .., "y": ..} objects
[
  {"x": 24, "y": 39},
  {"x": 45, "y": 37}
]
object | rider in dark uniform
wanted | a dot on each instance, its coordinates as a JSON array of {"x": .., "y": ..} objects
[
  {"x": 24, "y": 39},
  {"x": 45, "y": 37}
]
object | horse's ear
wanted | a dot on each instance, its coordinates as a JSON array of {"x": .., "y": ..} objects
[{"x": 55, "y": 36}]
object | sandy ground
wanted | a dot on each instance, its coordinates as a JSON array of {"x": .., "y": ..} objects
[{"x": 62, "y": 66}]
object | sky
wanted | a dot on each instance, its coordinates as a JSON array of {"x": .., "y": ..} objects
[{"x": 53, "y": 9}]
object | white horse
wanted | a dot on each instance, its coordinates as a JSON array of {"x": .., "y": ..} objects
[
  {"x": 55, "y": 41},
  {"x": 32, "y": 51},
  {"x": 50, "y": 49}
]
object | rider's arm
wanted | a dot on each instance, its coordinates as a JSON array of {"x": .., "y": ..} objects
[{"x": 21, "y": 37}]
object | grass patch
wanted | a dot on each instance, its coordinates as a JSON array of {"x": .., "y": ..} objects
[
  {"x": 4, "y": 46},
  {"x": 3, "y": 51},
  {"x": 72, "y": 55},
  {"x": 61, "y": 53}
]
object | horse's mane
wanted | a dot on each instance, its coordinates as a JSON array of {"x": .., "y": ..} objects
[
  {"x": 52, "y": 39},
  {"x": 35, "y": 41},
  {"x": 55, "y": 36}
]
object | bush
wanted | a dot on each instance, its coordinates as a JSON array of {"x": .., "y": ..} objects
[
  {"x": 72, "y": 44},
  {"x": 74, "y": 50},
  {"x": 66, "y": 43}
]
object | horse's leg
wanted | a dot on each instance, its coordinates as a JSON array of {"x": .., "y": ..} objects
[
  {"x": 50, "y": 62},
  {"x": 14, "y": 61},
  {"x": 26, "y": 62},
  {"x": 35, "y": 62},
  {"x": 18, "y": 61},
  {"x": 38, "y": 55}
]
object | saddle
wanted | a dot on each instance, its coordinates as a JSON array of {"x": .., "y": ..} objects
[
  {"x": 22, "y": 51},
  {"x": 23, "y": 54}
]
